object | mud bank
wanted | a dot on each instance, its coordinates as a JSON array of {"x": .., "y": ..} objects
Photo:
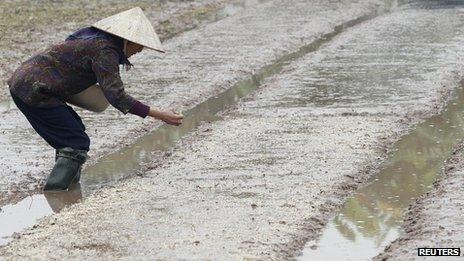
[
  {"x": 263, "y": 179},
  {"x": 434, "y": 220},
  {"x": 198, "y": 65}
]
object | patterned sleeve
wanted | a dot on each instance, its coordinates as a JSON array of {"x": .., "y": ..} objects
[{"x": 105, "y": 65}]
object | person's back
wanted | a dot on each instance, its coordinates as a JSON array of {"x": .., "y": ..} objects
[{"x": 50, "y": 77}]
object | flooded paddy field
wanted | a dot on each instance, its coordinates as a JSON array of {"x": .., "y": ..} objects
[
  {"x": 262, "y": 179},
  {"x": 199, "y": 64}
]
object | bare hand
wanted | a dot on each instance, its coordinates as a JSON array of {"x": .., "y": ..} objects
[{"x": 170, "y": 117}]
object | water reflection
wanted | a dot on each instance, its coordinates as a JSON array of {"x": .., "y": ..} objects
[
  {"x": 17, "y": 217},
  {"x": 375, "y": 212},
  {"x": 58, "y": 200}
]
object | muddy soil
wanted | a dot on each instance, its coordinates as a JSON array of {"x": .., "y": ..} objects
[
  {"x": 435, "y": 219},
  {"x": 198, "y": 65},
  {"x": 264, "y": 179}
]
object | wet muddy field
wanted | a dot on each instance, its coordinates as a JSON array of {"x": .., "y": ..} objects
[
  {"x": 206, "y": 61},
  {"x": 318, "y": 130}
]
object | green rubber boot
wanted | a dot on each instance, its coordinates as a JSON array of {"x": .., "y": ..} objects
[
  {"x": 68, "y": 162},
  {"x": 78, "y": 176}
]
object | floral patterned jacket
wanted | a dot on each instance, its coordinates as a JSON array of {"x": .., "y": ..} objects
[{"x": 49, "y": 78}]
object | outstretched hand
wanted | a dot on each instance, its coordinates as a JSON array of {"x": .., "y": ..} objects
[{"x": 171, "y": 117}]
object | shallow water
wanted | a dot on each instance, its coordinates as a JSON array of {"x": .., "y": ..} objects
[{"x": 26, "y": 212}]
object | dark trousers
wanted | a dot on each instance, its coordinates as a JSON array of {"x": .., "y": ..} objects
[{"x": 59, "y": 126}]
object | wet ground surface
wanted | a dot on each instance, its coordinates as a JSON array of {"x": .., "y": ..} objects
[
  {"x": 199, "y": 64},
  {"x": 265, "y": 177},
  {"x": 129, "y": 161}
]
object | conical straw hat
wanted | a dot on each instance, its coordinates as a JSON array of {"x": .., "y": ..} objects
[{"x": 133, "y": 26}]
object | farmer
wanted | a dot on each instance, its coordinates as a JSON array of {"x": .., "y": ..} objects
[{"x": 67, "y": 73}]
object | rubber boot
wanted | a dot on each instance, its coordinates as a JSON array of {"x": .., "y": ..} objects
[
  {"x": 67, "y": 165},
  {"x": 78, "y": 176}
]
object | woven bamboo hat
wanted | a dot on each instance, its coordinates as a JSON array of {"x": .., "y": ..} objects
[{"x": 133, "y": 26}]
